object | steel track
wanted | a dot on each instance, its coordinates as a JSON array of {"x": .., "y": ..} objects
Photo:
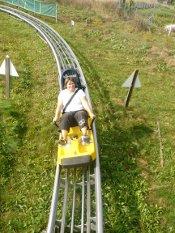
[{"x": 76, "y": 199}]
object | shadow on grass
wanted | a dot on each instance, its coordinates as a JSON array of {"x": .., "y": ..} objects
[{"x": 123, "y": 187}]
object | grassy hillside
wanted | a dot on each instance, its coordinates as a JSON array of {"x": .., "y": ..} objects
[{"x": 138, "y": 193}]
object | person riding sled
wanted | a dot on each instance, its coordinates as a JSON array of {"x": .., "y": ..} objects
[{"x": 74, "y": 109}]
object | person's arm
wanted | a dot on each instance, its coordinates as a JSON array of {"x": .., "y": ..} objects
[
  {"x": 87, "y": 107},
  {"x": 58, "y": 110}
]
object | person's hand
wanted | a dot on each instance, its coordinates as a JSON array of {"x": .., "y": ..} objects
[
  {"x": 54, "y": 119},
  {"x": 92, "y": 116}
]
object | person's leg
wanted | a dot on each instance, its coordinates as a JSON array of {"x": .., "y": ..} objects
[
  {"x": 64, "y": 134},
  {"x": 64, "y": 127},
  {"x": 84, "y": 130},
  {"x": 82, "y": 119}
]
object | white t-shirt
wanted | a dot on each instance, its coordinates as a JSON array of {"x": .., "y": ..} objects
[{"x": 75, "y": 104}]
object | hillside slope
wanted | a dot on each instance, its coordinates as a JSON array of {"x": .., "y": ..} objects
[{"x": 137, "y": 191}]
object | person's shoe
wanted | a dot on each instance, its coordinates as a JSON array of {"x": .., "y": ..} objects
[
  {"x": 62, "y": 142},
  {"x": 85, "y": 139}
]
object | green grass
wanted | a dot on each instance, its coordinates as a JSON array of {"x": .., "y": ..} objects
[
  {"x": 27, "y": 183},
  {"x": 138, "y": 194}
]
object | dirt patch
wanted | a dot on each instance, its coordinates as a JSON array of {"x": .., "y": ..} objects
[{"x": 163, "y": 55}]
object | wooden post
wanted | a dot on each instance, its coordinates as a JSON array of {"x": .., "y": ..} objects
[
  {"x": 128, "y": 97},
  {"x": 72, "y": 23},
  {"x": 7, "y": 76},
  {"x": 161, "y": 146}
]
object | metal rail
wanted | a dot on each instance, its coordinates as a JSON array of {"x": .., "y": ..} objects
[{"x": 80, "y": 200}]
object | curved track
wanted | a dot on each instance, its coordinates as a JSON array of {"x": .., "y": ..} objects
[{"x": 76, "y": 199}]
